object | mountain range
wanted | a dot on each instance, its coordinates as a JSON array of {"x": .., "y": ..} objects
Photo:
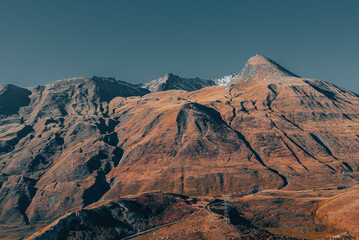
[{"x": 99, "y": 158}]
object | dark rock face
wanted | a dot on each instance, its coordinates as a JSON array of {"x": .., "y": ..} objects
[
  {"x": 76, "y": 142},
  {"x": 12, "y": 98}
]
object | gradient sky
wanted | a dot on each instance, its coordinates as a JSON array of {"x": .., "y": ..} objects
[{"x": 135, "y": 41}]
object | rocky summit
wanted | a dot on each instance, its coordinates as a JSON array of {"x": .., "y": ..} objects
[{"x": 255, "y": 155}]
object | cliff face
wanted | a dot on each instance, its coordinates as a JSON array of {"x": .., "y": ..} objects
[{"x": 74, "y": 142}]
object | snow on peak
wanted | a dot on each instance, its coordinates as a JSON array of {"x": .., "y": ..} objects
[{"x": 223, "y": 81}]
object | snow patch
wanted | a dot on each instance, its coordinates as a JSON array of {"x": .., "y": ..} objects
[{"x": 223, "y": 81}]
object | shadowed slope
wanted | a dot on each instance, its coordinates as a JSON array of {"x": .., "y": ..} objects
[{"x": 12, "y": 98}]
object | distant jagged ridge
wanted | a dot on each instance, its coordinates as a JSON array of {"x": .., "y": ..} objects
[{"x": 173, "y": 82}]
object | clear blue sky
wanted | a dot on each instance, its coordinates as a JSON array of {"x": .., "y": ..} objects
[{"x": 135, "y": 41}]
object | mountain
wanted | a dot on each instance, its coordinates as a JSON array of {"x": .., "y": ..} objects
[
  {"x": 268, "y": 137},
  {"x": 82, "y": 94},
  {"x": 172, "y": 82},
  {"x": 50, "y": 129},
  {"x": 283, "y": 128}
]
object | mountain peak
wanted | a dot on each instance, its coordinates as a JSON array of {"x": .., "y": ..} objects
[
  {"x": 263, "y": 66},
  {"x": 259, "y": 59}
]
